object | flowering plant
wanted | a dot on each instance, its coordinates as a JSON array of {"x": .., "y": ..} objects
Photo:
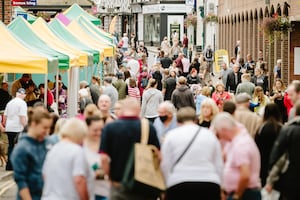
[
  {"x": 275, "y": 24},
  {"x": 191, "y": 20},
  {"x": 211, "y": 17}
]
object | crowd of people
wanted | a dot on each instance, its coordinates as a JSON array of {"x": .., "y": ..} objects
[{"x": 235, "y": 135}]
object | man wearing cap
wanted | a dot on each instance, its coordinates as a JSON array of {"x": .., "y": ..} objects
[
  {"x": 244, "y": 115},
  {"x": 14, "y": 120}
]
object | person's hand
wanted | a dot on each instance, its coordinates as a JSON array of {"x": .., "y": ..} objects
[{"x": 268, "y": 188}]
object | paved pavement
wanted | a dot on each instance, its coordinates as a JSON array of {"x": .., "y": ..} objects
[{"x": 8, "y": 188}]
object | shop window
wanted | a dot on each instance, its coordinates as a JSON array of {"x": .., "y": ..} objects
[{"x": 152, "y": 29}]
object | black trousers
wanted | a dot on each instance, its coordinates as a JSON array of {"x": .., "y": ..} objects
[
  {"x": 11, "y": 144},
  {"x": 194, "y": 190}
]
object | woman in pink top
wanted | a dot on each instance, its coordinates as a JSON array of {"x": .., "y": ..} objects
[
  {"x": 220, "y": 95},
  {"x": 133, "y": 90}
]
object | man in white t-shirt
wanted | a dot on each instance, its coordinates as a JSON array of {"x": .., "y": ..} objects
[{"x": 14, "y": 120}]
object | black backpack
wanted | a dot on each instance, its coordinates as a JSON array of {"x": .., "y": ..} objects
[{"x": 209, "y": 53}]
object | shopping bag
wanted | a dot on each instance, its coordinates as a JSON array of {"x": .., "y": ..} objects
[
  {"x": 273, "y": 195},
  {"x": 142, "y": 173}
]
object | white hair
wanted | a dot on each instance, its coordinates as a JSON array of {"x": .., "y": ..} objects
[
  {"x": 169, "y": 106},
  {"x": 223, "y": 120}
]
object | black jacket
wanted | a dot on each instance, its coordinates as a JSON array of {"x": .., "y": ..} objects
[
  {"x": 230, "y": 84},
  {"x": 261, "y": 81},
  {"x": 289, "y": 141}
]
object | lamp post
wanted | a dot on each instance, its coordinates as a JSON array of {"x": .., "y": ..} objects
[{"x": 202, "y": 14}]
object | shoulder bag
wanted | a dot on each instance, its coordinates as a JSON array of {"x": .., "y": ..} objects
[{"x": 142, "y": 173}]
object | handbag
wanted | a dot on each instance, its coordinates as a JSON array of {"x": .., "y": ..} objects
[{"x": 142, "y": 173}]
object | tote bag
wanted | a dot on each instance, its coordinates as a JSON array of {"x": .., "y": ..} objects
[{"x": 142, "y": 173}]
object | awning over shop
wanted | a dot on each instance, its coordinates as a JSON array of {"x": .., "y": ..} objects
[
  {"x": 64, "y": 34},
  {"x": 75, "y": 10},
  {"x": 15, "y": 58},
  {"x": 26, "y": 35},
  {"x": 77, "y": 57},
  {"x": 19, "y": 10},
  {"x": 89, "y": 39}
]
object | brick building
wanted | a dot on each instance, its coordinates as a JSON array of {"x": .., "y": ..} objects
[
  {"x": 5, "y": 11},
  {"x": 242, "y": 20}
]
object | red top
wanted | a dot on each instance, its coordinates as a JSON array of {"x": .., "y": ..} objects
[{"x": 287, "y": 103}]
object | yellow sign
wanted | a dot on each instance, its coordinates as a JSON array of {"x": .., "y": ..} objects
[{"x": 221, "y": 56}]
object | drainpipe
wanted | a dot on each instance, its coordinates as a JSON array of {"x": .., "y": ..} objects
[{"x": 3, "y": 10}]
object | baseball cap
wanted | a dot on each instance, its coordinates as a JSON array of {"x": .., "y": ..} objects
[
  {"x": 21, "y": 91},
  {"x": 242, "y": 98}
]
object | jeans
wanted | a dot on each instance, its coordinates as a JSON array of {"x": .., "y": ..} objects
[
  {"x": 100, "y": 197},
  {"x": 249, "y": 194},
  {"x": 11, "y": 143},
  {"x": 120, "y": 193},
  {"x": 194, "y": 190}
]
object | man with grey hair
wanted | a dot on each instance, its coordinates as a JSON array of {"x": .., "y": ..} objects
[
  {"x": 167, "y": 119},
  {"x": 111, "y": 91},
  {"x": 246, "y": 85},
  {"x": 242, "y": 165},
  {"x": 233, "y": 78},
  {"x": 225, "y": 70},
  {"x": 244, "y": 115}
]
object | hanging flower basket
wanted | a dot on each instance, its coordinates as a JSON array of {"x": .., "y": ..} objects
[
  {"x": 276, "y": 24},
  {"x": 212, "y": 18},
  {"x": 191, "y": 20}
]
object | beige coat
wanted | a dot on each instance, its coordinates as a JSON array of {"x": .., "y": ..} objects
[{"x": 249, "y": 119}]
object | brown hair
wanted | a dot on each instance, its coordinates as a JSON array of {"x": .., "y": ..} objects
[
  {"x": 151, "y": 83},
  {"x": 186, "y": 114},
  {"x": 132, "y": 82},
  {"x": 259, "y": 93},
  {"x": 36, "y": 116}
]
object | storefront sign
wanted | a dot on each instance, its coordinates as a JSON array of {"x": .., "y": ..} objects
[
  {"x": 24, "y": 3},
  {"x": 221, "y": 56},
  {"x": 164, "y": 8},
  {"x": 136, "y": 8}
]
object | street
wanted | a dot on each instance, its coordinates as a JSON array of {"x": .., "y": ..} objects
[{"x": 8, "y": 188}]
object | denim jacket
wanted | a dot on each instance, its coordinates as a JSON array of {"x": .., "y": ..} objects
[{"x": 27, "y": 158}]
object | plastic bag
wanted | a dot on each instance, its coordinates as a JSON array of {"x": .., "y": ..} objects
[{"x": 273, "y": 195}]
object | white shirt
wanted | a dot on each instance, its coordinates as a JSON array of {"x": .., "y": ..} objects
[
  {"x": 16, "y": 108},
  {"x": 125, "y": 42},
  {"x": 100, "y": 187},
  {"x": 63, "y": 162},
  {"x": 201, "y": 163},
  {"x": 134, "y": 67}
]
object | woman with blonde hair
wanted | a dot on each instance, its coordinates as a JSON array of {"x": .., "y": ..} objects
[
  {"x": 261, "y": 98},
  {"x": 201, "y": 95},
  {"x": 209, "y": 110},
  {"x": 66, "y": 171}
]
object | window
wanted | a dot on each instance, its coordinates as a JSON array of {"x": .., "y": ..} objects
[{"x": 152, "y": 28}]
